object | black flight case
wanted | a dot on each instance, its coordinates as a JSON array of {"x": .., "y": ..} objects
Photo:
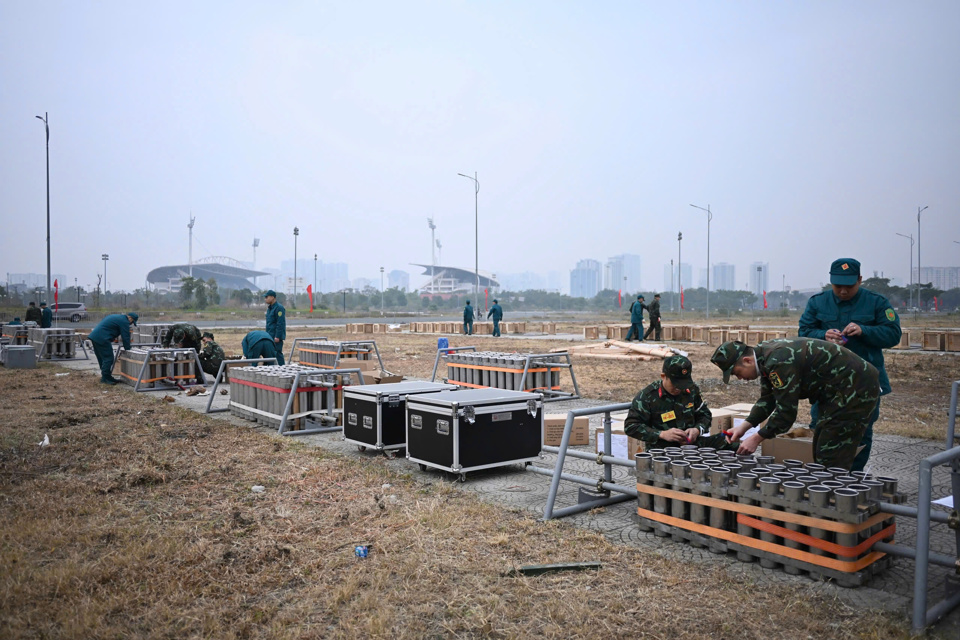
[
  {"x": 461, "y": 431},
  {"x": 374, "y": 413}
]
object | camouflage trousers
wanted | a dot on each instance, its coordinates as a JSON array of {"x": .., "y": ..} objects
[{"x": 841, "y": 426}]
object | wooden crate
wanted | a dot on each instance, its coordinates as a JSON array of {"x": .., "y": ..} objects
[
  {"x": 774, "y": 335},
  {"x": 699, "y": 334},
  {"x": 591, "y": 333},
  {"x": 952, "y": 341},
  {"x": 752, "y": 338},
  {"x": 716, "y": 337},
  {"x": 550, "y": 327},
  {"x": 734, "y": 334},
  {"x": 668, "y": 333},
  {"x": 934, "y": 341},
  {"x": 617, "y": 331}
]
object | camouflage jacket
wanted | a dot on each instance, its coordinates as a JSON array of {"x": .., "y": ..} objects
[
  {"x": 792, "y": 369},
  {"x": 211, "y": 356},
  {"x": 655, "y": 410},
  {"x": 183, "y": 334}
]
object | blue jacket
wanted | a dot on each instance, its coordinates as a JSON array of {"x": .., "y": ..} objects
[
  {"x": 636, "y": 312},
  {"x": 468, "y": 313},
  {"x": 112, "y": 327},
  {"x": 496, "y": 312},
  {"x": 277, "y": 321},
  {"x": 253, "y": 338},
  {"x": 873, "y": 312},
  {"x": 47, "y": 320}
]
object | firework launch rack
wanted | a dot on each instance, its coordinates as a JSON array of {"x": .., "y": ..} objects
[{"x": 529, "y": 372}]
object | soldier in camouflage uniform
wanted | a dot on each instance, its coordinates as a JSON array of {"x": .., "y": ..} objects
[
  {"x": 846, "y": 386},
  {"x": 185, "y": 336},
  {"x": 211, "y": 356},
  {"x": 670, "y": 412}
]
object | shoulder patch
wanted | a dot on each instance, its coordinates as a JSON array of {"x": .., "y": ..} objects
[
  {"x": 279, "y": 313},
  {"x": 891, "y": 315},
  {"x": 689, "y": 405},
  {"x": 776, "y": 381}
]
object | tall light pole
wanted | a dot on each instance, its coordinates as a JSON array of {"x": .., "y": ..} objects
[
  {"x": 193, "y": 221},
  {"x": 672, "y": 286},
  {"x": 256, "y": 243},
  {"x": 909, "y": 288},
  {"x": 315, "y": 274},
  {"x": 104, "y": 257},
  {"x": 433, "y": 256},
  {"x": 919, "y": 211},
  {"x": 296, "y": 232},
  {"x": 709, "y": 218},
  {"x": 381, "y": 291},
  {"x": 476, "y": 230},
  {"x": 680, "y": 270},
  {"x": 46, "y": 126}
]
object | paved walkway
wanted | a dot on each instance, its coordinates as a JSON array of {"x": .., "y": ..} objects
[{"x": 514, "y": 487}]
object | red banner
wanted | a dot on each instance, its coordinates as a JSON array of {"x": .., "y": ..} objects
[
  {"x": 486, "y": 295},
  {"x": 310, "y": 295},
  {"x": 56, "y": 295},
  {"x": 764, "y": 299},
  {"x": 620, "y": 298},
  {"x": 936, "y": 304}
]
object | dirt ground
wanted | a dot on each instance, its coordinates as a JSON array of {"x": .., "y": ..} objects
[
  {"x": 918, "y": 406},
  {"x": 138, "y": 521}
]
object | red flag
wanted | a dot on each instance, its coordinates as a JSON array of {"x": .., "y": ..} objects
[
  {"x": 485, "y": 296},
  {"x": 936, "y": 304},
  {"x": 681, "y": 297},
  {"x": 310, "y": 295},
  {"x": 56, "y": 295},
  {"x": 764, "y": 299}
]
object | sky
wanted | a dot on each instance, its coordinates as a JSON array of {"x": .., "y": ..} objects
[{"x": 813, "y": 130}]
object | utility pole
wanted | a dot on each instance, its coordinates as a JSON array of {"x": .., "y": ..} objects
[
  {"x": 296, "y": 232},
  {"x": 919, "y": 303},
  {"x": 679, "y": 270},
  {"x": 476, "y": 230},
  {"x": 190, "y": 250},
  {"x": 46, "y": 126},
  {"x": 709, "y": 218},
  {"x": 433, "y": 255}
]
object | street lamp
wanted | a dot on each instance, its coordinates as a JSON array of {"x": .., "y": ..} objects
[
  {"x": 381, "y": 291},
  {"x": 46, "y": 126},
  {"x": 679, "y": 270},
  {"x": 672, "y": 287},
  {"x": 77, "y": 288},
  {"x": 909, "y": 288},
  {"x": 296, "y": 232},
  {"x": 476, "y": 230},
  {"x": 315, "y": 274},
  {"x": 919, "y": 211},
  {"x": 709, "y": 218},
  {"x": 104, "y": 257}
]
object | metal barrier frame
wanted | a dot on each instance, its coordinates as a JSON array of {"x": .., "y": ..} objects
[
  {"x": 555, "y": 396},
  {"x": 293, "y": 348},
  {"x": 220, "y": 371},
  {"x": 347, "y": 343},
  {"x": 76, "y": 338},
  {"x": 339, "y": 373},
  {"x": 603, "y": 484},
  {"x": 143, "y": 368},
  {"x": 443, "y": 352}
]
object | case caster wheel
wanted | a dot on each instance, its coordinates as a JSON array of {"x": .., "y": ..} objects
[
  {"x": 360, "y": 447},
  {"x": 422, "y": 466},
  {"x": 462, "y": 477}
]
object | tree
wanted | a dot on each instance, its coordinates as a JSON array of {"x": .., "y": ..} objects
[
  {"x": 200, "y": 293},
  {"x": 187, "y": 285}
]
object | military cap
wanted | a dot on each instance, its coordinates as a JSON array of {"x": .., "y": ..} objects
[
  {"x": 678, "y": 369},
  {"x": 727, "y": 355},
  {"x": 134, "y": 316},
  {"x": 844, "y": 272},
  {"x": 640, "y": 298},
  {"x": 270, "y": 292},
  {"x": 656, "y": 295},
  {"x": 207, "y": 334},
  {"x": 43, "y": 304},
  {"x": 494, "y": 301}
]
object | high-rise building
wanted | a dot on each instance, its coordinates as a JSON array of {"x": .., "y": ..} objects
[
  {"x": 399, "y": 279},
  {"x": 622, "y": 272},
  {"x": 526, "y": 281},
  {"x": 759, "y": 278},
  {"x": 702, "y": 280},
  {"x": 724, "y": 277},
  {"x": 585, "y": 279},
  {"x": 943, "y": 278},
  {"x": 686, "y": 277}
]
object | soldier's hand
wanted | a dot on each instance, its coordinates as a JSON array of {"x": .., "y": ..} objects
[
  {"x": 852, "y": 329},
  {"x": 692, "y": 434},
  {"x": 674, "y": 435},
  {"x": 737, "y": 432},
  {"x": 276, "y": 339},
  {"x": 833, "y": 335},
  {"x": 750, "y": 445}
]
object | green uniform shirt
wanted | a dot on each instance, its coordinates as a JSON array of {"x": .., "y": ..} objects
[
  {"x": 468, "y": 313},
  {"x": 112, "y": 327},
  {"x": 654, "y": 410},
  {"x": 873, "y": 312},
  {"x": 251, "y": 340},
  {"x": 211, "y": 356},
  {"x": 792, "y": 369},
  {"x": 46, "y": 315},
  {"x": 183, "y": 334},
  {"x": 636, "y": 312},
  {"x": 277, "y": 321},
  {"x": 496, "y": 311},
  {"x": 33, "y": 315},
  {"x": 654, "y": 309}
]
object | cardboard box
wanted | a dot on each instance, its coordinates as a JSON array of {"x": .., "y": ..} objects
[
  {"x": 553, "y": 424},
  {"x": 621, "y": 445},
  {"x": 378, "y": 376},
  {"x": 722, "y": 420},
  {"x": 796, "y": 444},
  {"x": 363, "y": 365}
]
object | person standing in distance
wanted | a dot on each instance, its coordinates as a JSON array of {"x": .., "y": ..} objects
[
  {"x": 33, "y": 314},
  {"x": 468, "y": 320},
  {"x": 496, "y": 312},
  {"x": 654, "y": 311},
  {"x": 46, "y": 316},
  {"x": 276, "y": 323},
  {"x": 860, "y": 320},
  {"x": 636, "y": 319}
]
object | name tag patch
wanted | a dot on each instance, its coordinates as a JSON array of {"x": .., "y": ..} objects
[{"x": 668, "y": 416}]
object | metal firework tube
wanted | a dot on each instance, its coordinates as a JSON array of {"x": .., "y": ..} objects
[
  {"x": 698, "y": 512},
  {"x": 793, "y": 492},
  {"x": 644, "y": 463},
  {"x": 661, "y": 466},
  {"x": 746, "y": 482},
  {"x": 678, "y": 506},
  {"x": 769, "y": 487}
]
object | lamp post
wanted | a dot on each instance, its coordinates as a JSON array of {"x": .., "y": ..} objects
[
  {"x": 381, "y": 291},
  {"x": 910, "y": 288},
  {"x": 315, "y": 292},
  {"x": 46, "y": 126},
  {"x": 476, "y": 230},
  {"x": 672, "y": 287},
  {"x": 296, "y": 232},
  {"x": 104, "y": 257},
  {"x": 919, "y": 211},
  {"x": 679, "y": 270},
  {"x": 709, "y": 218}
]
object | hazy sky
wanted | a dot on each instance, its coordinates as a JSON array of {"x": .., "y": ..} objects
[{"x": 813, "y": 129}]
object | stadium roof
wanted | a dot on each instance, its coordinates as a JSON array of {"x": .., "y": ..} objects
[
  {"x": 227, "y": 276},
  {"x": 462, "y": 275}
]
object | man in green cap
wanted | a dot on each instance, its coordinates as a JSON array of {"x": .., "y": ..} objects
[
  {"x": 468, "y": 320},
  {"x": 258, "y": 344},
  {"x": 845, "y": 385},
  {"x": 114, "y": 326},
  {"x": 671, "y": 412},
  {"x": 211, "y": 356},
  {"x": 496, "y": 312},
  {"x": 46, "y": 316},
  {"x": 862, "y": 321},
  {"x": 636, "y": 319},
  {"x": 276, "y": 323}
]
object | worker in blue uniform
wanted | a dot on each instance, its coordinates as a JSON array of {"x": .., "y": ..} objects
[
  {"x": 276, "y": 323},
  {"x": 496, "y": 312},
  {"x": 114, "y": 326},
  {"x": 859, "y": 319},
  {"x": 258, "y": 344},
  {"x": 636, "y": 319},
  {"x": 468, "y": 320},
  {"x": 46, "y": 316}
]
